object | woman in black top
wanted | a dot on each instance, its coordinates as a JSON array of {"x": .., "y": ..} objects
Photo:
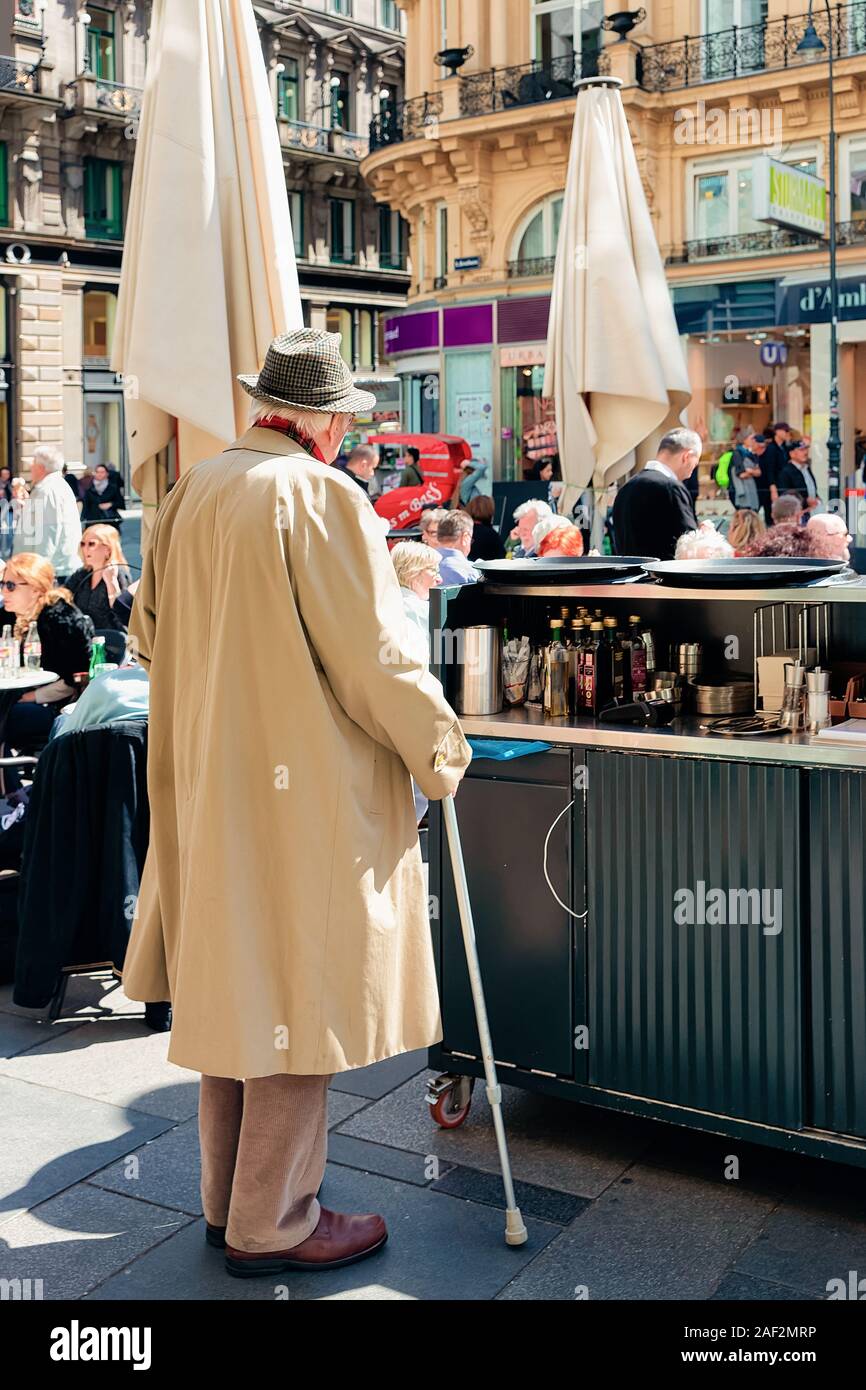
[
  {"x": 101, "y": 579},
  {"x": 103, "y": 500},
  {"x": 486, "y": 540},
  {"x": 65, "y": 635}
]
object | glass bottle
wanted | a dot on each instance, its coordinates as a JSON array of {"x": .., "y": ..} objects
[
  {"x": 32, "y": 648},
  {"x": 596, "y": 671},
  {"x": 637, "y": 655},
  {"x": 614, "y": 658},
  {"x": 556, "y": 673},
  {"x": 575, "y": 663}
]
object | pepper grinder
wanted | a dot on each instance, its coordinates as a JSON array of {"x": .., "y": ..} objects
[
  {"x": 792, "y": 716},
  {"x": 818, "y": 691}
]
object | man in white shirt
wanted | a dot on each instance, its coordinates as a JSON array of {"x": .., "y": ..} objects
[{"x": 50, "y": 525}]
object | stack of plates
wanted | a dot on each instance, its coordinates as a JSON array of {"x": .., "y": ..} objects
[{"x": 723, "y": 697}]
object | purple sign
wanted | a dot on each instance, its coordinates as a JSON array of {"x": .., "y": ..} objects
[
  {"x": 412, "y": 332},
  {"x": 523, "y": 320},
  {"x": 468, "y": 326}
]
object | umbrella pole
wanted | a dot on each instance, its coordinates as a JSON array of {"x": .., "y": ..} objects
[{"x": 515, "y": 1231}]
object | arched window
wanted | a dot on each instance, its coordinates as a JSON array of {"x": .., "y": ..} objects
[{"x": 537, "y": 236}]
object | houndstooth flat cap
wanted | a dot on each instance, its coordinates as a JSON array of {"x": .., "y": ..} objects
[{"x": 304, "y": 369}]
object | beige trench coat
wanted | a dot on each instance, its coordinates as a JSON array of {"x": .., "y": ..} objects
[{"x": 283, "y": 906}]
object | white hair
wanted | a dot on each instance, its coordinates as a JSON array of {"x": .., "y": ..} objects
[
  {"x": 535, "y": 504},
  {"x": 545, "y": 525},
  {"x": 704, "y": 544},
  {"x": 679, "y": 440},
  {"x": 310, "y": 422},
  {"x": 411, "y": 558},
  {"x": 49, "y": 456}
]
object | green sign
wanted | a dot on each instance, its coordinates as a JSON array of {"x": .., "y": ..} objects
[{"x": 788, "y": 196}]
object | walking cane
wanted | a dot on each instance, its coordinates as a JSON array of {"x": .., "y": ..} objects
[{"x": 515, "y": 1231}]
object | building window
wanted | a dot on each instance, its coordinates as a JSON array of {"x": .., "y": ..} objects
[
  {"x": 365, "y": 338},
  {"x": 390, "y": 15},
  {"x": 537, "y": 238},
  {"x": 721, "y": 197},
  {"x": 719, "y": 18},
  {"x": 342, "y": 7},
  {"x": 103, "y": 210},
  {"x": 340, "y": 102},
  {"x": 99, "y": 309},
  {"x": 341, "y": 321},
  {"x": 852, "y": 177},
  {"x": 442, "y": 243},
  {"x": 392, "y": 240},
  {"x": 342, "y": 230},
  {"x": 4, "y": 186},
  {"x": 289, "y": 91},
  {"x": 443, "y": 23},
  {"x": 296, "y": 212},
  {"x": 564, "y": 27},
  {"x": 100, "y": 43}
]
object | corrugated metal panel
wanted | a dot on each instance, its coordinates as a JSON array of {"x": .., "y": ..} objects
[
  {"x": 523, "y": 320},
  {"x": 705, "y": 1016},
  {"x": 837, "y": 824}
]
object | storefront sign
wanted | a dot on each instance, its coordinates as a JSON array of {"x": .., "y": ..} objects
[
  {"x": 470, "y": 325},
  {"x": 523, "y": 356},
  {"x": 774, "y": 354},
  {"x": 787, "y": 196},
  {"x": 810, "y": 302},
  {"x": 412, "y": 332},
  {"x": 467, "y": 263}
]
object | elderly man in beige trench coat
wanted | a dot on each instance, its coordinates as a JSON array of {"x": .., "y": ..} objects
[{"x": 283, "y": 907}]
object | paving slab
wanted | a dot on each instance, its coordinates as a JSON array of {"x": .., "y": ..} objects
[
  {"x": 341, "y": 1106},
  {"x": 165, "y": 1170},
  {"x": 742, "y": 1288},
  {"x": 806, "y": 1247},
  {"x": 376, "y": 1081},
  {"x": 543, "y": 1202},
  {"x": 76, "y": 1240},
  {"x": 19, "y": 1033},
  {"x": 427, "y": 1230},
  {"x": 114, "y": 1059},
  {"x": 378, "y": 1158},
  {"x": 97, "y": 995},
  {"x": 52, "y": 1139},
  {"x": 553, "y": 1143},
  {"x": 652, "y": 1235}
]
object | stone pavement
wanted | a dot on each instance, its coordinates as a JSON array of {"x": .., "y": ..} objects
[{"x": 99, "y": 1192}]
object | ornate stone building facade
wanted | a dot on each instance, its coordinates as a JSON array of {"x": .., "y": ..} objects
[
  {"x": 71, "y": 80},
  {"x": 475, "y": 159}
]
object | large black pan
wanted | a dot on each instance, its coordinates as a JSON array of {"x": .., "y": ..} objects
[
  {"x": 764, "y": 572},
  {"x": 594, "y": 569}
]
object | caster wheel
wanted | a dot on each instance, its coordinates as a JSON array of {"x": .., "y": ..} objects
[{"x": 450, "y": 1102}]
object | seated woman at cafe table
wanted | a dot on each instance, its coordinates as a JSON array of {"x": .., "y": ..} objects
[
  {"x": 97, "y": 585},
  {"x": 417, "y": 569},
  {"x": 706, "y": 543},
  {"x": 746, "y": 526},
  {"x": 30, "y": 595},
  {"x": 788, "y": 540},
  {"x": 556, "y": 536}
]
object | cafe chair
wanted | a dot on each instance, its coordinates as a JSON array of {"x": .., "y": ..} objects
[
  {"x": 11, "y": 841},
  {"x": 85, "y": 841}
]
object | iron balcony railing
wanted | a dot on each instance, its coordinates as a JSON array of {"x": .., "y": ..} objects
[
  {"x": 531, "y": 265},
  {"x": 501, "y": 89},
  {"x": 762, "y": 243},
  {"x": 406, "y": 120},
  {"x": 740, "y": 50},
  {"x": 319, "y": 139},
  {"x": 16, "y": 76},
  {"x": 118, "y": 98}
]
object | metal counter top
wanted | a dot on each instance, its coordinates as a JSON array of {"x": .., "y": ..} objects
[
  {"x": 684, "y": 736},
  {"x": 846, "y": 588}
]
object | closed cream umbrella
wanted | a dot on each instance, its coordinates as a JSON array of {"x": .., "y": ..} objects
[
  {"x": 615, "y": 365},
  {"x": 209, "y": 274}
]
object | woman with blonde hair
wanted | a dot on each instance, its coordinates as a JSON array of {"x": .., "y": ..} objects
[
  {"x": 103, "y": 577},
  {"x": 745, "y": 528},
  {"x": 417, "y": 570},
  {"x": 30, "y": 595}
]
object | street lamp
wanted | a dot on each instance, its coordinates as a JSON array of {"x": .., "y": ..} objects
[{"x": 811, "y": 42}]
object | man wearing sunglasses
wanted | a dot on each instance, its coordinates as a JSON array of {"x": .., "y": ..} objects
[{"x": 50, "y": 525}]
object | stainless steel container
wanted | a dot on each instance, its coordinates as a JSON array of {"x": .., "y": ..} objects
[
  {"x": 479, "y": 670},
  {"x": 793, "y": 713},
  {"x": 688, "y": 658},
  {"x": 818, "y": 696},
  {"x": 723, "y": 697}
]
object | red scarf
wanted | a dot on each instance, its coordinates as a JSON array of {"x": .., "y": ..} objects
[{"x": 288, "y": 427}]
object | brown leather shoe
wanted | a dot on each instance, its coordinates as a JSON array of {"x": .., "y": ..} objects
[{"x": 339, "y": 1239}]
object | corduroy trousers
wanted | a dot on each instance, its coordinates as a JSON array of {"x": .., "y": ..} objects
[{"x": 263, "y": 1150}]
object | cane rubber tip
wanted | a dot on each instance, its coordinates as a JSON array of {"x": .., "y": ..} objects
[{"x": 515, "y": 1231}]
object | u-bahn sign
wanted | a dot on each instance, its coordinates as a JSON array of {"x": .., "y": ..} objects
[{"x": 787, "y": 196}]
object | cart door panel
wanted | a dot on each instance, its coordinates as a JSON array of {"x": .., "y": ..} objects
[
  {"x": 524, "y": 937},
  {"x": 704, "y": 1015}
]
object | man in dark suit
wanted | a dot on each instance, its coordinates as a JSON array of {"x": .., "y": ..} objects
[
  {"x": 773, "y": 460},
  {"x": 796, "y": 475},
  {"x": 654, "y": 508}
]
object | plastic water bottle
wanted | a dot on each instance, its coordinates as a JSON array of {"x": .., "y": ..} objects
[
  {"x": 9, "y": 657},
  {"x": 97, "y": 657},
  {"x": 32, "y": 648}
]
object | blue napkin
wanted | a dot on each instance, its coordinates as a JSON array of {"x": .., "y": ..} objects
[{"x": 504, "y": 749}]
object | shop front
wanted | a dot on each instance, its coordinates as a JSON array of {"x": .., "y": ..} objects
[{"x": 528, "y": 430}]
